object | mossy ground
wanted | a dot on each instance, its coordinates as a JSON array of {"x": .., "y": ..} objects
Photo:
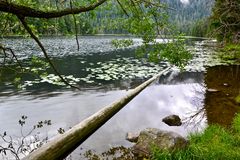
[
  {"x": 215, "y": 143},
  {"x": 237, "y": 99},
  {"x": 230, "y": 52}
]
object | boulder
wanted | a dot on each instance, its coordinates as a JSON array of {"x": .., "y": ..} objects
[
  {"x": 172, "y": 120},
  {"x": 164, "y": 140},
  {"x": 132, "y": 137}
]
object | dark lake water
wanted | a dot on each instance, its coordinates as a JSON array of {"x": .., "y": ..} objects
[{"x": 105, "y": 74}]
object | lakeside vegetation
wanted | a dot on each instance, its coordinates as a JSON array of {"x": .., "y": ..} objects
[
  {"x": 147, "y": 21},
  {"x": 214, "y": 143},
  {"x": 103, "y": 20},
  {"x": 230, "y": 52}
]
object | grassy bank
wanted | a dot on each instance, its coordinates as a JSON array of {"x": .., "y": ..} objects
[
  {"x": 230, "y": 52},
  {"x": 215, "y": 143}
]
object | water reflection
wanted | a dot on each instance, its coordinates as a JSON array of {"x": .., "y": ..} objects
[
  {"x": 109, "y": 71},
  {"x": 176, "y": 77},
  {"x": 181, "y": 93},
  {"x": 220, "y": 105},
  {"x": 182, "y": 97},
  {"x": 148, "y": 109}
]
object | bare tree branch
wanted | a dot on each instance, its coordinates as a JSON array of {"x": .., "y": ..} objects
[
  {"x": 75, "y": 26},
  {"x": 4, "y": 49},
  {"x": 124, "y": 10}
]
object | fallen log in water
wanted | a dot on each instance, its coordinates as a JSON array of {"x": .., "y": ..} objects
[{"x": 61, "y": 146}]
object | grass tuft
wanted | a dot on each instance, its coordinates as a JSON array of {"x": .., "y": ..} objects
[
  {"x": 230, "y": 52},
  {"x": 236, "y": 124},
  {"x": 237, "y": 99}
]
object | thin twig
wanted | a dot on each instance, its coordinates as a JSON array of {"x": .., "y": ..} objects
[
  {"x": 7, "y": 149},
  {"x": 75, "y": 26},
  {"x": 134, "y": 5},
  {"x": 156, "y": 21},
  {"x": 23, "y": 138},
  {"x": 124, "y": 10},
  {"x": 13, "y": 54}
]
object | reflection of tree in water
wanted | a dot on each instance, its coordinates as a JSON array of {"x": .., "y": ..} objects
[
  {"x": 196, "y": 119},
  {"x": 220, "y": 106}
]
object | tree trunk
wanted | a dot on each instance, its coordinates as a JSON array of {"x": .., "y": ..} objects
[{"x": 63, "y": 145}]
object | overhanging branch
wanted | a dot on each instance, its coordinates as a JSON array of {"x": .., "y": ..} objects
[
  {"x": 28, "y": 29},
  {"x": 24, "y": 11}
]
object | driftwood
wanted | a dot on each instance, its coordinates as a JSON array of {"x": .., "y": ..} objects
[{"x": 63, "y": 145}]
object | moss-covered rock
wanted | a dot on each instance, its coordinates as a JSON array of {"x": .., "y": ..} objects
[{"x": 164, "y": 140}]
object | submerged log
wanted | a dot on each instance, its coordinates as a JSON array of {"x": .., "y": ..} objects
[{"x": 61, "y": 146}]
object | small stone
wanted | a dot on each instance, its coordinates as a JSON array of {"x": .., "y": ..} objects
[
  {"x": 212, "y": 90},
  {"x": 132, "y": 137},
  {"x": 172, "y": 120}
]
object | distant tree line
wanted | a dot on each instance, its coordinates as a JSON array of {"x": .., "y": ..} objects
[
  {"x": 146, "y": 19},
  {"x": 190, "y": 18},
  {"x": 102, "y": 20},
  {"x": 218, "y": 18},
  {"x": 56, "y": 26}
]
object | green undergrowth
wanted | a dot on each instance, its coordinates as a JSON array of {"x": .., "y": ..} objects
[
  {"x": 237, "y": 99},
  {"x": 215, "y": 143},
  {"x": 230, "y": 52}
]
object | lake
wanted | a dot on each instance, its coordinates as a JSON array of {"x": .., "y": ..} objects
[{"x": 104, "y": 74}]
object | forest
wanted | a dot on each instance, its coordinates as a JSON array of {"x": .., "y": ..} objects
[
  {"x": 97, "y": 22},
  {"x": 119, "y": 79},
  {"x": 191, "y": 18}
]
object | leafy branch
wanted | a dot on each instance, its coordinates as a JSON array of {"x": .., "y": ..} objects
[{"x": 26, "y": 143}]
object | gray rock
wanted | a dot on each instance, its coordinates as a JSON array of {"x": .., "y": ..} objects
[
  {"x": 164, "y": 140},
  {"x": 172, "y": 120},
  {"x": 132, "y": 137}
]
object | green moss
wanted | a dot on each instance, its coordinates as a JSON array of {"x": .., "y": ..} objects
[
  {"x": 237, "y": 99},
  {"x": 214, "y": 143},
  {"x": 230, "y": 52},
  {"x": 236, "y": 124},
  {"x": 232, "y": 47}
]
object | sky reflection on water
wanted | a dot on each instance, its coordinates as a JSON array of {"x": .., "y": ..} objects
[{"x": 181, "y": 93}]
